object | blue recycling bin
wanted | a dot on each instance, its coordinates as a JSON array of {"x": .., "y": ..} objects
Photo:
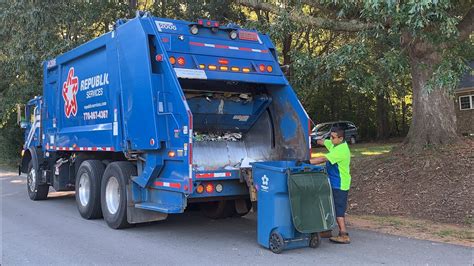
[{"x": 294, "y": 204}]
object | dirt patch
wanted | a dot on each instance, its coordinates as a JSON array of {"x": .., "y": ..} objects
[
  {"x": 436, "y": 184},
  {"x": 415, "y": 228}
]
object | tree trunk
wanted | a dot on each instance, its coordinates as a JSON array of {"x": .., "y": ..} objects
[
  {"x": 434, "y": 119},
  {"x": 382, "y": 116},
  {"x": 404, "y": 116}
]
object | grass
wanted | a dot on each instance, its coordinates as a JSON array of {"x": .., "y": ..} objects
[
  {"x": 463, "y": 234},
  {"x": 416, "y": 228},
  {"x": 360, "y": 150},
  {"x": 387, "y": 221}
]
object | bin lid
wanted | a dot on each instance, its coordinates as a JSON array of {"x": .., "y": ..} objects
[{"x": 311, "y": 201}]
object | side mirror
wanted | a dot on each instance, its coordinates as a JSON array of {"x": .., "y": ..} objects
[{"x": 23, "y": 124}]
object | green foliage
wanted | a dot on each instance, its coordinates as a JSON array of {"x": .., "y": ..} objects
[{"x": 337, "y": 75}]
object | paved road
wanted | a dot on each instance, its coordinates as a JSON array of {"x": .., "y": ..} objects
[{"x": 52, "y": 232}]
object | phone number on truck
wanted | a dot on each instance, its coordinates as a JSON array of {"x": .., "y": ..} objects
[{"x": 103, "y": 114}]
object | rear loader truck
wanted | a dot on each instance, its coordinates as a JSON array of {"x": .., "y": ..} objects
[{"x": 158, "y": 114}]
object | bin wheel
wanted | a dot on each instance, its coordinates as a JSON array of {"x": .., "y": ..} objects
[
  {"x": 276, "y": 243},
  {"x": 315, "y": 240}
]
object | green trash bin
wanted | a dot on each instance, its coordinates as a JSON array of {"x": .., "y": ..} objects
[{"x": 311, "y": 202}]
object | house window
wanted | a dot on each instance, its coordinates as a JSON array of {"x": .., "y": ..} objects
[{"x": 466, "y": 102}]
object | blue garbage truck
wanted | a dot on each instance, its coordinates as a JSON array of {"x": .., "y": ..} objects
[{"x": 158, "y": 114}]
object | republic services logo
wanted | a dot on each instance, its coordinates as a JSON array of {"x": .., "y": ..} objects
[{"x": 70, "y": 88}]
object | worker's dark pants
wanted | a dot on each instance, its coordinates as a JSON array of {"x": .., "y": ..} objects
[{"x": 340, "y": 201}]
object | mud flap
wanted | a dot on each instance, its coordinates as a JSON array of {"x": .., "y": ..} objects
[
  {"x": 136, "y": 215},
  {"x": 241, "y": 206}
]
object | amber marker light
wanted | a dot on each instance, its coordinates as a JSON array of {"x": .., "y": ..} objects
[
  {"x": 172, "y": 60},
  {"x": 200, "y": 189}
]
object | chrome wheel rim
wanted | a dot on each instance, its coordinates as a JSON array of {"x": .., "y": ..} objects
[
  {"x": 112, "y": 195},
  {"x": 84, "y": 189},
  {"x": 32, "y": 180}
]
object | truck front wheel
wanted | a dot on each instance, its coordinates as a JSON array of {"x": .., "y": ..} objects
[
  {"x": 36, "y": 191},
  {"x": 114, "y": 193},
  {"x": 88, "y": 182}
]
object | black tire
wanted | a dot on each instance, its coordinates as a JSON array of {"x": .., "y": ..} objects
[
  {"x": 35, "y": 190},
  {"x": 92, "y": 170},
  {"x": 122, "y": 172},
  {"x": 315, "y": 240},
  {"x": 218, "y": 209},
  {"x": 276, "y": 243},
  {"x": 249, "y": 207}
]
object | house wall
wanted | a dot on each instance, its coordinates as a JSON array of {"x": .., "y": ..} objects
[{"x": 465, "y": 118}]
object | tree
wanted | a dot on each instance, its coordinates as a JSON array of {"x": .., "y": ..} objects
[{"x": 434, "y": 37}]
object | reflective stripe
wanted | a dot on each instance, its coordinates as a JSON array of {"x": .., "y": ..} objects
[
  {"x": 167, "y": 184},
  {"x": 211, "y": 175},
  {"x": 79, "y": 148},
  {"x": 220, "y": 46}
]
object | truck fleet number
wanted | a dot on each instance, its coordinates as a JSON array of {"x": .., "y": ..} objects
[{"x": 103, "y": 114}]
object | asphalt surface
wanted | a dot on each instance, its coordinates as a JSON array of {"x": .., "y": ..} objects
[{"x": 52, "y": 232}]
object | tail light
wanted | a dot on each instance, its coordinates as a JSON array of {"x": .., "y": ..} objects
[
  {"x": 269, "y": 68},
  {"x": 159, "y": 57},
  {"x": 181, "y": 61},
  {"x": 172, "y": 60},
  {"x": 200, "y": 189},
  {"x": 209, "y": 188},
  {"x": 223, "y": 61},
  {"x": 261, "y": 67}
]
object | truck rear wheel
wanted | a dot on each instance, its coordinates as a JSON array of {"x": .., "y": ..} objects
[
  {"x": 88, "y": 181},
  {"x": 244, "y": 208},
  {"x": 218, "y": 209},
  {"x": 35, "y": 190},
  {"x": 114, "y": 193}
]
